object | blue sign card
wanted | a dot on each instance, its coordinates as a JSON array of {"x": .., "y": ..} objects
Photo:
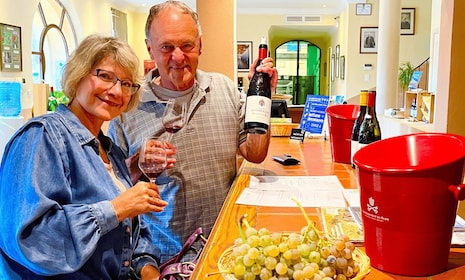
[
  {"x": 416, "y": 76},
  {"x": 313, "y": 116}
]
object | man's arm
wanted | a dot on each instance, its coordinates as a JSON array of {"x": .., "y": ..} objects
[{"x": 255, "y": 148}]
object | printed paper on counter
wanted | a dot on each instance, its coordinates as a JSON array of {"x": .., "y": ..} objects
[{"x": 310, "y": 191}]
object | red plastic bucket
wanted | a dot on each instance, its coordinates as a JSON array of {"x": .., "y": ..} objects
[
  {"x": 409, "y": 189},
  {"x": 341, "y": 119}
]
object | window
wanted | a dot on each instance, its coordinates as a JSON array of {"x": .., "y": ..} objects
[{"x": 52, "y": 37}]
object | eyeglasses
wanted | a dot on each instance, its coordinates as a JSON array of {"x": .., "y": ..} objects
[{"x": 127, "y": 86}]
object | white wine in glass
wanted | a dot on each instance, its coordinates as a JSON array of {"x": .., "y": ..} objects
[{"x": 152, "y": 158}]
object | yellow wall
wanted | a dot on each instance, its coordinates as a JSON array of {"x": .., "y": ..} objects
[{"x": 219, "y": 36}]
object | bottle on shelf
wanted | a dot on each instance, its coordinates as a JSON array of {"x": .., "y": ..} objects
[
  {"x": 357, "y": 124},
  {"x": 240, "y": 85},
  {"x": 258, "y": 101},
  {"x": 369, "y": 129},
  {"x": 413, "y": 109}
]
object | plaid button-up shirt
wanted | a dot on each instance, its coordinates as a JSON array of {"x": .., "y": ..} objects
[{"x": 206, "y": 155}]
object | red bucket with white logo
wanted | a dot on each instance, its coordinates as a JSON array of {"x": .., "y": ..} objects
[{"x": 410, "y": 186}]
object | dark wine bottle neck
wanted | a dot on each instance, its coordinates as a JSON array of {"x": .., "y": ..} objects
[{"x": 262, "y": 51}]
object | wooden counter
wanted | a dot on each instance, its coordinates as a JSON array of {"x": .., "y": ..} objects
[{"x": 315, "y": 157}]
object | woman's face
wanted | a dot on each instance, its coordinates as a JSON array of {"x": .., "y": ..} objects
[{"x": 98, "y": 98}]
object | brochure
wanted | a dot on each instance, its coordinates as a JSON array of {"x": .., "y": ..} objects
[{"x": 338, "y": 221}]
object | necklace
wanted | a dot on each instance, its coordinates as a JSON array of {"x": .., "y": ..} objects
[{"x": 103, "y": 154}]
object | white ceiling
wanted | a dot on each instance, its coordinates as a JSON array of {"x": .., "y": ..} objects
[{"x": 289, "y": 7}]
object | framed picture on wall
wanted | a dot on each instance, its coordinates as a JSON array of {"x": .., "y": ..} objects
[
  {"x": 368, "y": 39},
  {"x": 363, "y": 9},
  {"x": 342, "y": 75},
  {"x": 10, "y": 48},
  {"x": 244, "y": 55},
  {"x": 333, "y": 66},
  {"x": 338, "y": 53},
  {"x": 407, "y": 21}
]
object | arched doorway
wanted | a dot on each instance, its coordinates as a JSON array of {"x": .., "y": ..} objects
[
  {"x": 53, "y": 37},
  {"x": 299, "y": 69}
]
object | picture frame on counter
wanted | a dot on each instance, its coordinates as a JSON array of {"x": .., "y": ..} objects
[
  {"x": 244, "y": 55},
  {"x": 10, "y": 48},
  {"x": 368, "y": 39},
  {"x": 407, "y": 21}
]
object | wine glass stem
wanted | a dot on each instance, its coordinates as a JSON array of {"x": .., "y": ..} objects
[{"x": 170, "y": 136}]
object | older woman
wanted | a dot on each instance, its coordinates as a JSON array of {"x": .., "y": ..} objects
[{"x": 67, "y": 208}]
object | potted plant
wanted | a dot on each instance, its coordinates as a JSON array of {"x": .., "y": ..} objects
[
  {"x": 55, "y": 98},
  {"x": 405, "y": 74}
]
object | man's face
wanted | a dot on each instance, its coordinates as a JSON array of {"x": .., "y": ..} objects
[{"x": 175, "y": 46}]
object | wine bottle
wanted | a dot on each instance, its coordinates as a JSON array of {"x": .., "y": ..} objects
[
  {"x": 377, "y": 130},
  {"x": 369, "y": 129},
  {"x": 258, "y": 101},
  {"x": 413, "y": 109},
  {"x": 357, "y": 124}
]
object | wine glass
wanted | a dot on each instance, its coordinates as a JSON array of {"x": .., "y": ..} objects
[
  {"x": 152, "y": 158},
  {"x": 174, "y": 117}
]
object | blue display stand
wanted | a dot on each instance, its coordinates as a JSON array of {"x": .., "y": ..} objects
[{"x": 314, "y": 114}]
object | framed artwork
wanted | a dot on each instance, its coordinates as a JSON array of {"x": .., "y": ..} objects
[
  {"x": 333, "y": 66},
  {"x": 244, "y": 55},
  {"x": 10, "y": 48},
  {"x": 330, "y": 64},
  {"x": 363, "y": 9},
  {"x": 342, "y": 61},
  {"x": 368, "y": 39},
  {"x": 407, "y": 21},
  {"x": 337, "y": 53}
]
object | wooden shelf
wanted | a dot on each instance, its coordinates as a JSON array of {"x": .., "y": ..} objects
[{"x": 425, "y": 105}]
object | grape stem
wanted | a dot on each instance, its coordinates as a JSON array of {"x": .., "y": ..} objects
[
  {"x": 217, "y": 272},
  {"x": 309, "y": 222},
  {"x": 242, "y": 220}
]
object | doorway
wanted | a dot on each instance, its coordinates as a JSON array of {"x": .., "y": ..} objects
[{"x": 299, "y": 69}]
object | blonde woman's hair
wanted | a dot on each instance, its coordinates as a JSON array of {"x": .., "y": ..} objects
[{"x": 90, "y": 52}]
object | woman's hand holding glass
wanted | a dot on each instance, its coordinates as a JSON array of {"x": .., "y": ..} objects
[{"x": 142, "y": 198}]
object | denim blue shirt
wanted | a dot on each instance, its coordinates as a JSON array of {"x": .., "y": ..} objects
[{"x": 56, "y": 218}]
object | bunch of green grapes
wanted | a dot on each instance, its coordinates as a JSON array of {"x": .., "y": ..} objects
[{"x": 261, "y": 254}]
